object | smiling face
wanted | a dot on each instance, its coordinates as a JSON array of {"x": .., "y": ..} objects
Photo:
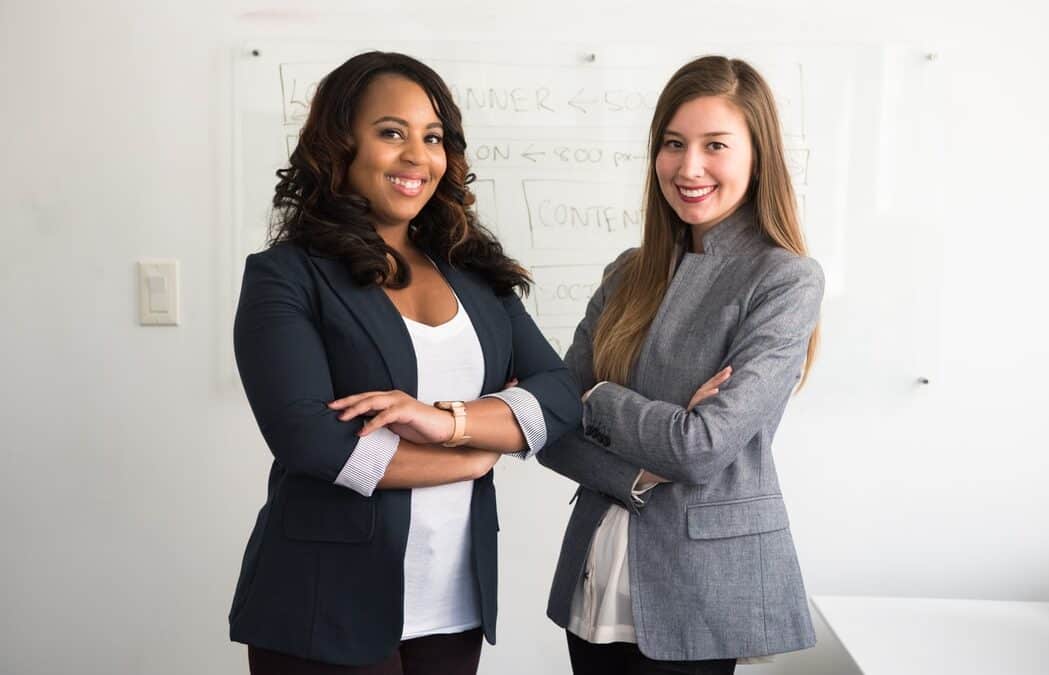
[
  {"x": 705, "y": 162},
  {"x": 399, "y": 148}
]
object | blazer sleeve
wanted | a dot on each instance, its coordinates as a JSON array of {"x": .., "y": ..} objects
[
  {"x": 284, "y": 367},
  {"x": 766, "y": 358},
  {"x": 542, "y": 374},
  {"x": 574, "y": 455}
]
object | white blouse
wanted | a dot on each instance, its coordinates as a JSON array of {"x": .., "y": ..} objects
[{"x": 440, "y": 591}]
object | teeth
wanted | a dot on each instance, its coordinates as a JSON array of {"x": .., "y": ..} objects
[
  {"x": 698, "y": 192},
  {"x": 412, "y": 184}
]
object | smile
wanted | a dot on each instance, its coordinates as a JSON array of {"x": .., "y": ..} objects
[
  {"x": 694, "y": 195},
  {"x": 407, "y": 186}
]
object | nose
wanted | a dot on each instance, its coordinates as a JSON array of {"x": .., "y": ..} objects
[
  {"x": 692, "y": 163},
  {"x": 414, "y": 149}
]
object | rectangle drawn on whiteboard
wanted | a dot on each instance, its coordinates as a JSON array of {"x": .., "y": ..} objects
[
  {"x": 564, "y": 290},
  {"x": 484, "y": 191},
  {"x": 567, "y": 214}
]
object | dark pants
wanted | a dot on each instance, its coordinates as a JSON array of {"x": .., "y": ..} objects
[
  {"x": 453, "y": 654},
  {"x": 624, "y": 658}
]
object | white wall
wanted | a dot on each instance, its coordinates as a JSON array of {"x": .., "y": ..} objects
[{"x": 133, "y": 467}]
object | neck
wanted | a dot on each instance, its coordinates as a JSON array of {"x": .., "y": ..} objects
[{"x": 395, "y": 236}]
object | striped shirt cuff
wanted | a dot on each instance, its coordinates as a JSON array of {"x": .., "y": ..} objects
[
  {"x": 529, "y": 416},
  {"x": 368, "y": 461}
]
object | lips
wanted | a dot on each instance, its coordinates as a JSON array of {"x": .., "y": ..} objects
[
  {"x": 694, "y": 195},
  {"x": 409, "y": 186}
]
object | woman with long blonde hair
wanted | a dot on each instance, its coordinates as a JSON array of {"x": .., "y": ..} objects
[{"x": 678, "y": 556}]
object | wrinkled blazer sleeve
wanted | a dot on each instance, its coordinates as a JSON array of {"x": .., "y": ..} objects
[
  {"x": 574, "y": 456},
  {"x": 766, "y": 356},
  {"x": 284, "y": 369},
  {"x": 542, "y": 373}
]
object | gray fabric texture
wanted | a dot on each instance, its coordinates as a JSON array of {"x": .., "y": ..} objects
[{"x": 714, "y": 573}]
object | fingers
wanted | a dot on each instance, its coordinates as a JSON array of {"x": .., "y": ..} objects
[
  {"x": 342, "y": 403},
  {"x": 719, "y": 378},
  {"x": 389, "y": 416},
  {"x": 371, "y": 404},
  {"x": 710, "y": 387}
]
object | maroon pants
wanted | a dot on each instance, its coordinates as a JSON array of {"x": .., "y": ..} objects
[{"x": 453, "y": 654}]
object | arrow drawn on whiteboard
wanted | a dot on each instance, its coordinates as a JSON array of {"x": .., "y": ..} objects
[
  {"x": 530, "y": 156},
  {"x": 575, "y": 102}
]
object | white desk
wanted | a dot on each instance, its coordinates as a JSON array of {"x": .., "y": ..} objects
[{"x": 901, "y": 636}]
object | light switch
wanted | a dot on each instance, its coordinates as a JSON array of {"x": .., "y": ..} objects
[{"x": 158, "y": 292}]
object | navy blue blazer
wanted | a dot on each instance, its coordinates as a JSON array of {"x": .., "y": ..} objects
[{"x": 323, "y": 573}]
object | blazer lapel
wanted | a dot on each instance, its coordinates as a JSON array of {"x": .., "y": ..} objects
[
  {"x": 379, "y": 318},
  {"x": 478, "y": 307}
]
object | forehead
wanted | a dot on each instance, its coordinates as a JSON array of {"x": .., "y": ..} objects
[
  {"x": 707, "y": 113},
  {"x": 395, "y": 96}
]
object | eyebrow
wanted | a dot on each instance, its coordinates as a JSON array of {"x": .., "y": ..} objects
[
  {"x": 708, "y": 134},
  {"x": 404, "y": 123}
]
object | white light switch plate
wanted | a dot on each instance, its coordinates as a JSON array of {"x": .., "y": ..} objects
[{"x": 158, "y": 292}]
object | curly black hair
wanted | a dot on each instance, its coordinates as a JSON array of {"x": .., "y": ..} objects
[{"x": 312, "y": 204}]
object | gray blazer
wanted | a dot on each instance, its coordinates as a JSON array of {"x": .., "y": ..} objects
[{"x": 713, "y": 571}]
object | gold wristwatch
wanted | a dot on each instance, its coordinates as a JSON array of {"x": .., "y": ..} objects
[{"x": 458, "y": 410}]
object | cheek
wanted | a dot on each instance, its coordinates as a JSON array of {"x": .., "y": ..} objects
[
  {"x": 666, "y": 168},
  {"x": 736, "y": 173},
  {"x": 439, "y": 164}
]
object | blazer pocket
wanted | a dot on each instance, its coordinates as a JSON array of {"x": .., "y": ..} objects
[
  {"x": 316, "y": 511},
  {"x": 737, "y": 518}
]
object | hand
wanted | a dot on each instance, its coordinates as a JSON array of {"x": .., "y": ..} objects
[
  {"x": 400, "y": 413},
  {"x": 710, "y": 387},
  {"x": 648, "y": 478}
]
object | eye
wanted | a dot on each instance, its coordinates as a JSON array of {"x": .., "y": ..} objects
[
  {"x": 390, "y": 132},
  {"x": 716, "y": 145},
  {"x": 672, "y": 144},
  {"x": 434, "y": 139}
]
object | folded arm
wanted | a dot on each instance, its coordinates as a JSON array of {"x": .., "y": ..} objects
[
  {"x": 284, "y": 369},
  {"x": 692, "y": 446},
  {"x": 574, "y": 456}
]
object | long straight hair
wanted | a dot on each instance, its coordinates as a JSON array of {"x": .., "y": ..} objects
[{"x": 644, "y": 278}]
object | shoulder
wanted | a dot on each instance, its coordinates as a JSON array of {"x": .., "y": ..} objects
[
  {"x": 775, "y": 265},
  {"x": 284, "y": 265},
  {"x": 617, "y": 264},
  {"x": 788, "y": 278},
  {"x": 281, "y": 255}
]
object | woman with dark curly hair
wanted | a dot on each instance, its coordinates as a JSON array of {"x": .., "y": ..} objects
[{"x": 389, "y": 365}]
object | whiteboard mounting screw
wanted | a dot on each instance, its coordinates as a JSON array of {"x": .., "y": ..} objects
[
  {"x": 590, "y": 57},
  {"x": 255, "y": 52},
  {"x": 923, "y": 380}
]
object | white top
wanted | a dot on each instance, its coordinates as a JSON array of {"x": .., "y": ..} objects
[
  {"x": 601, "y": 610},
  {"x": 926, "y": 636},
  {"x": 440, "y": 592}
]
